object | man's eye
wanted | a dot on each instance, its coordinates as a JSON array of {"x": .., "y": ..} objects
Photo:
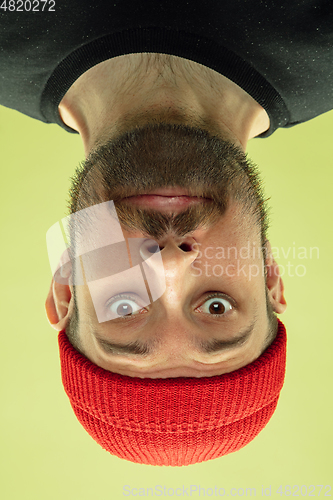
[
  {"x": 215, "y": 305},
  {"x": 123, "y": 306}
]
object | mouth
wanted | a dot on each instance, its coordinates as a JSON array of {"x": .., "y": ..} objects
[{"x": 166, "y": 199}]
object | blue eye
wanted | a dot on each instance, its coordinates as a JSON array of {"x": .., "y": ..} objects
[
  {"x": 122, "y": 305},
  {"x": 216, "y": 306}
]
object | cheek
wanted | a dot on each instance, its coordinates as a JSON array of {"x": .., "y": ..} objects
[{"x": 209, "y": 264}]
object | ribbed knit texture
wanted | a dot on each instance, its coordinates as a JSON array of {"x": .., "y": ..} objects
[{"x": 176, "y": 421}]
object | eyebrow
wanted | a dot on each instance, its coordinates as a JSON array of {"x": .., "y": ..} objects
[{"x": 145, "y": 348}]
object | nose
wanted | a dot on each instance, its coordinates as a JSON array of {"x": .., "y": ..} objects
[
  {"x": 177, "y": 255},
  {"x": 179, "y": 248}
]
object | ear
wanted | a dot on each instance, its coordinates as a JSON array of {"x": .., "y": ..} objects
[
  {"x": 274, "y": 282},
  {"x": 59, "y": 305}
]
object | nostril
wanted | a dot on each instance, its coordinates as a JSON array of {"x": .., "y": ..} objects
[
  {"x": 154, "y": 248},
  {"x": 185, "y": 247}
]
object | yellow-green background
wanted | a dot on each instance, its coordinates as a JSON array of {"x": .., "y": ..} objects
[{"x": 45, "y": 453}]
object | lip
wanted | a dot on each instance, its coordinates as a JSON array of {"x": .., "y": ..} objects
[
  {"x": 170, "y": 191},
  {"x": 164, "y": 202}
]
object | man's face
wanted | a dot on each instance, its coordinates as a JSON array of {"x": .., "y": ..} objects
[{"x": 212, "y": 318}]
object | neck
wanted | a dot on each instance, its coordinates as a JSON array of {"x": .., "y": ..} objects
[{"x": 135, "y": 89}]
